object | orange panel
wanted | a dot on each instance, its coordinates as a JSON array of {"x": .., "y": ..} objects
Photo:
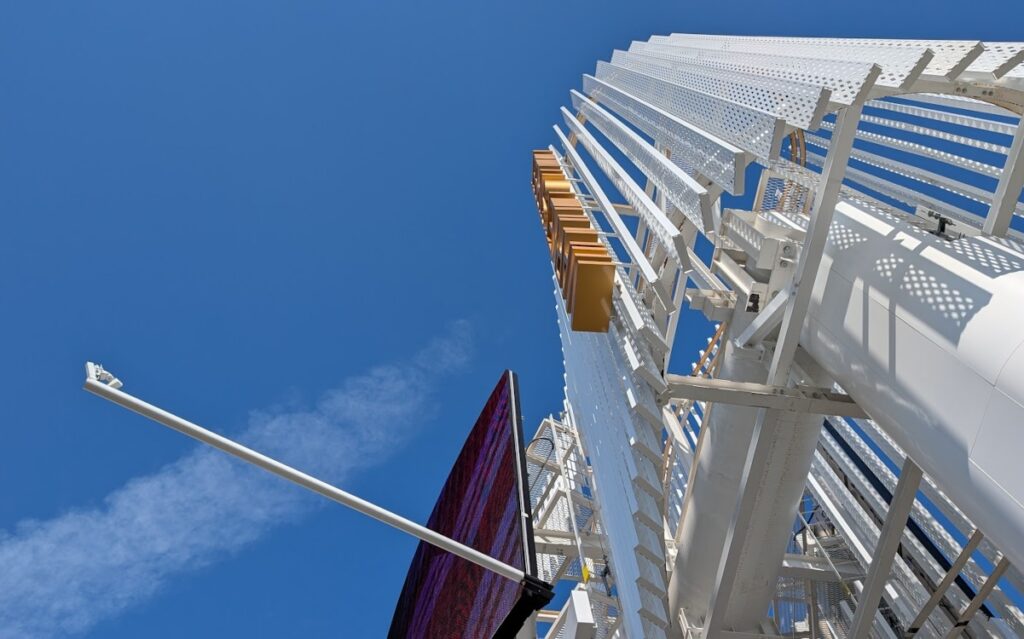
[
  {"x": 577, "y": 250},
  {"x": 570, "y": 282},
  {"x": 574, "y": 235},
  {"x": 566, "y": 220},
  {"x": 580, "y": 252},
  {"x": 592, "y": 296},
  {"x": 564, "y": 201}
]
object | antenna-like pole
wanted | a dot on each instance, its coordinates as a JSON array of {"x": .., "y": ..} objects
[{"x": 102, "y": 383}]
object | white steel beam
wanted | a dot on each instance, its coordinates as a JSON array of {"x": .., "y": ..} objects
[
  {"x": 885, "y": 550},
  {"x": 1008, "y": 191},
  {"x": 947, "y": 581},
  {"x": 661, "y": 227},
  {"x": 672, "y": 182},
  {"x": 797, "y": 399},
  {"x": 690, "y": 146},
  {"x": 93, "y": 385},
  {"x": 983, "y": 593},
  {"x": 767, "y": 320},
  {"x": 824, "y": 206},
  {"x": 768, "y": 421},
  {"x": 611, "y": 214}
]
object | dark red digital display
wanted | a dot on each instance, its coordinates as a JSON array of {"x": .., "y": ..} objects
[{"x": 481, "y": 505}]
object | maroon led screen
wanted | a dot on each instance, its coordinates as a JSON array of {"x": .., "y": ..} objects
[{"x": 480, "y": 505}]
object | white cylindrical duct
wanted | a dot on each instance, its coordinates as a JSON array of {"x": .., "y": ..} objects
[{"x": 928, "y": 336}]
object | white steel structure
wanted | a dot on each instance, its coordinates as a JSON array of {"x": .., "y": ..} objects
[{"x": 843, "y": 460}]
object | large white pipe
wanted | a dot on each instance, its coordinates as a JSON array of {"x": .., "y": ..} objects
[{"x": 928, "y": 336}]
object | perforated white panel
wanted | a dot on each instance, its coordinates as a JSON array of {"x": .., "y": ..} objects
[
  {"x": 662, "y": 228},
  {"x": 799, "y": 104},
  {"x": 926, "y": 151},
  {"x": 951, "y": 57},
  {"x": 904, "y": 194},
  {"x": 985, "y": 124},
  {"x": 917, "y": 174},
  {"x": 688, "y": 145},
  {"x": 960, "y": 102},
  {"x": 844, "y": 79},
  {"x": 688, "y": 196},
  {"x": 935, "y": 133},
  {"x": 901, "y": 65},
  {"x": 597, "y": 384},
  {"x": 754, "y": 131},
  {"x": 998, "y": 58}
]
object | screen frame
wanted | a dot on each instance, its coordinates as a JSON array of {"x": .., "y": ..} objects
[{"x": 522, "y": 475}]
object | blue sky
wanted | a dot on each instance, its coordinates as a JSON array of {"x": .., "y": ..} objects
[{"x": 270, "y": 217}]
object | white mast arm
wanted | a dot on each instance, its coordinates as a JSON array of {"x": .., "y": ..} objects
[{"x": 102, "y": 383}]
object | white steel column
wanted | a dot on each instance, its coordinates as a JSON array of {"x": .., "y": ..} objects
[
  {"x": 768, "y": 421},
  {"x": 1010, "y": 184},
  {"x": 825, "y": 200},
  {"x": 885, "y": 550}
]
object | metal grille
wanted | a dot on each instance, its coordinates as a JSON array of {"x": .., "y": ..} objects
[{"x": 786, "y": 196}]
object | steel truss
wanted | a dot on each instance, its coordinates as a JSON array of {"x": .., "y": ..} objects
[{"x": 865, "y": 124}]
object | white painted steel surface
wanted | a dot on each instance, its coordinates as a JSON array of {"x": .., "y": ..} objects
[
  {"x": 689, "y": 146},
  {"x": 797, "y": 103},
  {"x": 682, "y": 190},
  {"x": 615, "y": 437},
  {"x": 921, "y": 331},
  {"x": 754, "y": 131},
  {"x": 841, "y": 77},
  {"x": 925, "y": 334}
]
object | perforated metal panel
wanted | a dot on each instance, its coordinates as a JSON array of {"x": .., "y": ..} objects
[
  {"x": 999, "y": 58},
  {"x": 682, "y": 190},
  {"x": 984, "y": 124},
  {"x": 596, "y": 387},
  {"x": 901, "y": 65},
  {"x": 754, "y": 131},
  {"x": 689, "y": 146},
  {"x": 641, "y": 203},
  {"x": 950, "y": 57},
  {"x": 924, "y": 150},
  {"x": 799, "y": 104},
  {"x": 934, "y": 133},
  {"x": 916, "y": 173},
  {"x": 844, "y": 79}
]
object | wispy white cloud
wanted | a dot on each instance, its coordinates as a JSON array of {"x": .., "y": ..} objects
[{"x": 60, "y": 577}]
